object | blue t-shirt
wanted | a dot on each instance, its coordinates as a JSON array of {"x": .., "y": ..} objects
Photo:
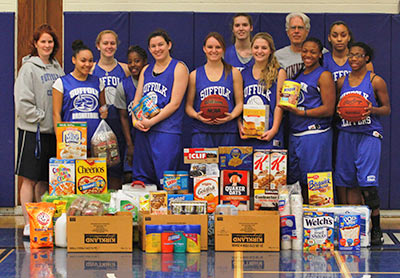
[
  {"x": 336, "y": 70},
  {"x": 231, "y": 57}
]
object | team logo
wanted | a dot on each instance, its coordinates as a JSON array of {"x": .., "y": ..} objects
[
  {"x": 153, "y": 97},
  {"x": 256, "y": 100},
  {"x": 85, "y": 103}
]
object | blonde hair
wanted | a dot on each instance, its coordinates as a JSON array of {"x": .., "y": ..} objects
[
  {"x": 98, "y": 38},
  {"x": 270, "y": 73}
]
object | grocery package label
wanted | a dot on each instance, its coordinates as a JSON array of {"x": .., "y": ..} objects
[
  {"x": 318, "y": 231},
  {"x": 255, "y": 120},
  {"x": 234, "y": 188},
  {"x": 91, "y": 176},
  {"x": 288, "y": 227},
  {"x": 290, "y": 93},
  {"x": 236, "y": 158},
  {"x": 146, "y": 108},
  {"x": 179, "y": 197},
  {"x": 203, "y": 169},
  {"x": 61, "y": 176},
  {"x": 206, "y": 189},
  {"x": 266, "y": 199},
  {"x": 278, "y": 168},
  {"x": 349, "y": 232},
  {"x": 261, "y": 169},
  {"x": 158, "y": 202},
  {"x": 170, "y": 183},
  {"x": 188, "y": 207},
  {"x": 200, "y": 155},
  {"x": 71, "y": 140},
  {"x": 320, "y": 189}
]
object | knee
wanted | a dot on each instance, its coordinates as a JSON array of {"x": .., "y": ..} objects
[{"x": 371, "y": 197}]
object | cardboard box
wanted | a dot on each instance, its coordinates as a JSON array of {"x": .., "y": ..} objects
[
  {"x": 236, "y": 158},
  {"x": 248, "y": 231},
  {"x": 100, "y": 233},
  {"x": 320, "y": 189},
  {"x": 146, "y": 219},
  {"x": 61, "y": 176},
  {"x": 91, "y": 175},
  {"x": 255, "y": 120},
  {"x": 235, "y": 188},
  {"x": 200, "y": 155},
  {"x": 71, "y": 140}
]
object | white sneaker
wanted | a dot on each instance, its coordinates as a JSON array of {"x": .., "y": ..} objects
[{"x": 27, "y": 230}]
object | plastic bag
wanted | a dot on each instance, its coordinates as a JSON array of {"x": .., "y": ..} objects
[{"x": 104, "y": 144}]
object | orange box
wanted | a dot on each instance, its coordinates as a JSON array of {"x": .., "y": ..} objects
[
  {"x": 206, "y": 189},
  {"x": 91, "y": 175},
  {"x": 320, "y": 189},
  {"x": 71, "y": 140}
]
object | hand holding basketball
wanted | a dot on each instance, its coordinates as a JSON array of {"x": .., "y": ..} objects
[
  {"x": 354, "y": 107},
  {"x": 214, "y": 106}
]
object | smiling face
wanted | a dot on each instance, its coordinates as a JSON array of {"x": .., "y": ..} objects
[
  {"x": 357, "y": 58},
  {"x": 339, "y": 37},
  {"x": 241, "y": 28},
  {"x": 83, "y": 62},
  {"x": 297, "y": 31},
  {"x": 310, "y": 54},
  {"x": 261, "y": 50},
  {"x": 135, "y": 64},
  {"x": 107, "y": 45},
  {"x": 45, "y": 46},
  {"x": 159, "y": 48},
  {"x": 213, "y": 49}
]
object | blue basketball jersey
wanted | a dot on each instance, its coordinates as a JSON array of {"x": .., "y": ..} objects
[
  {"x": 81, "y": 101},
  {"x": 372, "y": 124},
  {"x": 336, "y": 70},
  {"x": 130, "y": 91},
  {"x": 205, "y": 88},
  {"x": 231, "y": 57},
  {"x": 159, "y": 88},
  {"x": 309, "y": 98}
]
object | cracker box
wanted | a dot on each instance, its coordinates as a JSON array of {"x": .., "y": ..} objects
[
  {"x": 266, "y": 199},
  {"x": 71, "y": 140},
  {"x": 158, "y": 202},
  {"x": 61, "y": 176},
  {"x": 278, "y": 168},
  {"x": 255, "y": 120},
  {"x": 320, "y": 189},
  {"x": 236, "y": 158},
  {"x": 200, "y": 155},
  {"x": 206, "y": 189},
  {"x": 234, "y": 188},
  {"x": 179, "y": 197},
  {"x": 91, "y": 176},
  {"x": 261, "y": 170},
  {"x": 349, "y": 233},
  {"x": 318, "y": 231}
]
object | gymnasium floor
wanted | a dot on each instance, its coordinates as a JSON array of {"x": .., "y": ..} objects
[{"x": 17, "y": 260}]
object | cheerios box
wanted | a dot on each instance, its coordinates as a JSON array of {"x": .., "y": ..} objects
[
  {"x": 91, "y": 175},
  {"x": 240, "y": 158},
  {"x": 320, "y": 189},
  {"x": 71, "y": 140},
  {"x": 61, "y": 176},
  {"x": 318, "y": 231}
]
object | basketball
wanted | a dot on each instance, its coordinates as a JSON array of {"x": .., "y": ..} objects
[
  {"x": 214, "y": 106},
  {"x": 352, "y": 106}
]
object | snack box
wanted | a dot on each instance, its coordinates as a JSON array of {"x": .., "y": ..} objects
[
  {"x": 188, "y": 207},
  {"x": 261, "y": 169},
  {"x": 278, "y": 168},
  {"x": 235, "y": 189},
  {"x": 266, "y": 199},
  {"x": 91, "y": 176},
  {"x": 320, "y": 189},
  {"x": 158, "y": 202},
  {"x": 236, "y": 158},
  {"x": 71, "y": 140},
  {"x": 179, "y": 197},
  {"x": 61, "y": 176},
  {"x": 349, "y": 233},
  {"x": 206, "y": 189},
  {"x": 318, "y": 231},
  {"x": 255, "y": 120},
  {"x": 200, "y": 155}
]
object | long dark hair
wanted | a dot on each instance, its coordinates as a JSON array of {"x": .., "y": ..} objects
[
  {"x": 246, "y": 15},
  {"x": 220, "y": 39},
  {"x": 340, "y": 22},
  {"x": 78, "y": 46},
  {"x": 42, "y": 29}
]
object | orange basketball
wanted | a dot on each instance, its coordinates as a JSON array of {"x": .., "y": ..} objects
[
  {"x": 352, "y": 106},
  {"x": 214, "y": 106}
]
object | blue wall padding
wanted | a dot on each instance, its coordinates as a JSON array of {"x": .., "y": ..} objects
[{"x": 7, "y": 187}]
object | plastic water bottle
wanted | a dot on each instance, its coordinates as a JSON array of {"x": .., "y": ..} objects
[{"x": 61, "y": 231}]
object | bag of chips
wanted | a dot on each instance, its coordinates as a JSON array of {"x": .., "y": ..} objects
[{"x": 41, "y": 224}]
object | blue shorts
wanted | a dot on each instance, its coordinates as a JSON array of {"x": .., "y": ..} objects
[
  {"x": 154, "y": 153},
  {"x": 214, "y": 140},
  {"x": 309, "y": 154},
  {"x": 357, "y": 160}
]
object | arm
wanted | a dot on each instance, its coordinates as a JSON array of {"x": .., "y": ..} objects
[
  {"x": 103, "y": 103},
  {"x": 370, "y": 67},
  {"x": 125, "y": 68},
  {"x": 380, "y": 90},
  {"x": 127, "y": 134},
  {"x": 238, "y": 95},
  {"x": 181, "y": 78},
  {"x": 278, "y": 112},
  {"x": 138, "y": 96},
  {"x": 57, "y": 107}
]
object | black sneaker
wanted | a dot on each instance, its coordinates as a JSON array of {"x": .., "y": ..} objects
[{"x": 376, "y": 236}]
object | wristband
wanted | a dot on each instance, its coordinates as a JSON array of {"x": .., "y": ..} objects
[{"x": 134, "y": 123}]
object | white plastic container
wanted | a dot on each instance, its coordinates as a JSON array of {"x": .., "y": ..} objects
[{"x": 60, "y": 231}]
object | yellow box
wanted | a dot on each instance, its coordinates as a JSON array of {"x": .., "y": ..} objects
[
  {"x": 71, "y": 140},
  {"x": 255, "y": 120},
  {"x": 320, "y": 189},
  {"x": 290, "y": 93},
  {"x": 91, "y": 175}
]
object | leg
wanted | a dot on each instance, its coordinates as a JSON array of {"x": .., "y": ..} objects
[
  {"x": 372, "y": 200},
  {"x": 40, "y": 188},
  {"x": 27, "y": 194},
  {"x": 353, "y": 196},
  {"x": 341, "y": 193}
]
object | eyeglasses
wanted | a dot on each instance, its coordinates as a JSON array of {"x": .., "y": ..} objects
[
  {"x": 300, "y": 28},
  {"x": 358, "y": 56}
]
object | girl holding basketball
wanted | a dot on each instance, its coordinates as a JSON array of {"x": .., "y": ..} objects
[
  {"x": 216, "y": 77},
  {"x": 262, "y": 84},
  {"x": 310, "y": 134},
  {"x": 158, "y": 141},
  {"x": 359, "y": 143},
  {"x": 111, "y": 72},
  {"x": 239, "y": 54}
]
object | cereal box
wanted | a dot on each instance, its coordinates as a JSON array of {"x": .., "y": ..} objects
[
  {"x": 159, "y": 202},
  {"x": 61, "y": 176},
  {"x": 236, "y": 158},
  {"x": 206, "y": 189},
  {"x": 255, "y": 120},
  {"x": 266, "y": 199},
  {"x": 349, "y": 232},
  {"x": 234, "y": 188},
  {"x": 200, "y": 155},
  {"x": 320, "y": 189},
  {"x": 71, "y": 140},
  {"x": 318, "y": 230},
  {"x": 91, "y": 176},
  {"x": 261, "y": 169},
  {"x": 278, "y": 168}
]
